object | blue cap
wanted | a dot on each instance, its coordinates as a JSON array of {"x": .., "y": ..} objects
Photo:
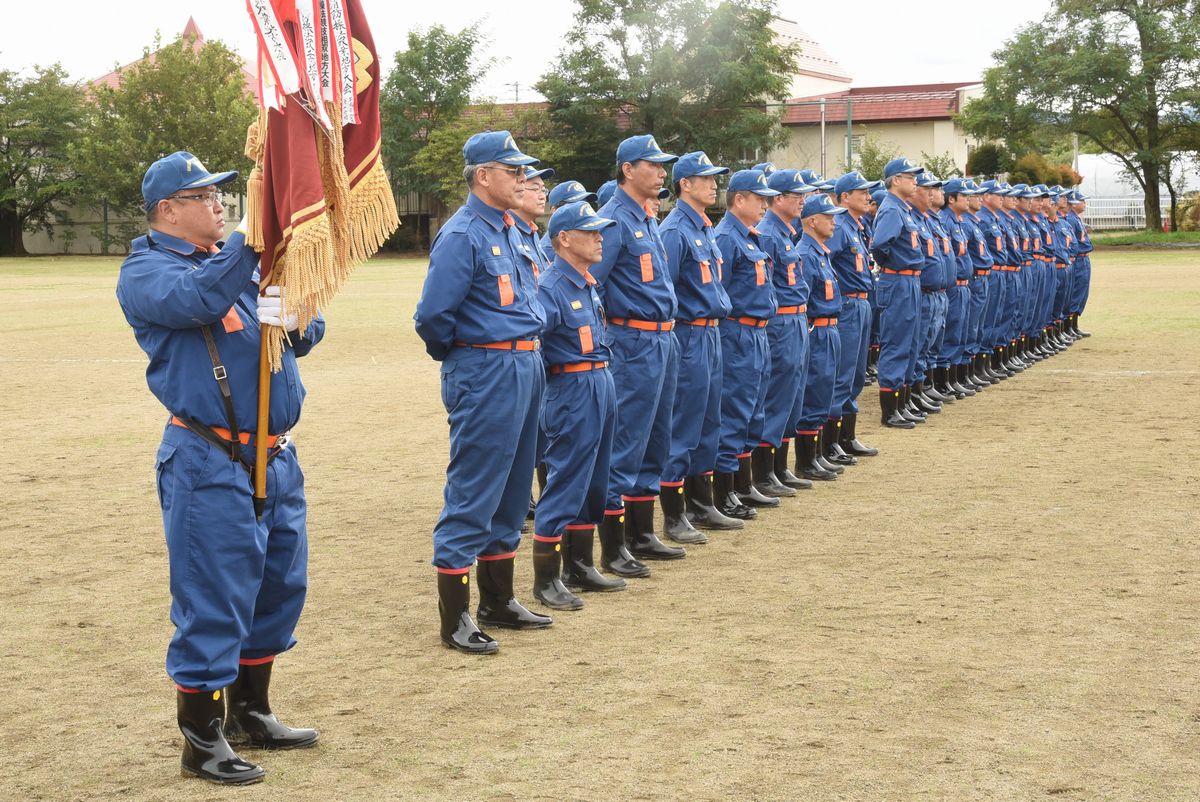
[
  {"x": 180, "y": 170},
  {"x": 789, "y": 181},
  {"x": 1042, "y": 190},
  {"x": 693, "y": 164},
  {"x": 606, "y": 191},
  {"x": 851, "y": 181},
  {"x": 545, "y": 172},
  {"x": 928, "y": 179},
  {"x": 959, "y": 186},
  {"x": 1077, "y": 197},
  {"x": 751, "y": 181},
  {"x": 901, "y": 165},
  {"x": 991, "y": 187},
  {"x": 766, "y": 167},
  {"x": 642, "y": 148},
  {"x": 820, "y": 204},
  {"x": 578, "y": 216},
  {"x": 878, "y": 196},
  {"x": 970, "y": 187},
  {"x": 494, "y": 146},
  {"x": 570, "y": 192}
]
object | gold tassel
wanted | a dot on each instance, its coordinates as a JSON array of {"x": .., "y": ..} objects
[
  {"x": 373, "y": 215},
  {"x": 304, "y": 270},
  {"x": 256, "y": 146}
]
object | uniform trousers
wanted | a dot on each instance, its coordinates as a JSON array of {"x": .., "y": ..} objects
[
  {"x": 975, "y": 318},
  {"x": 644, "y": 367},
  {"x": 787, "y": 348},
  {"x": 899, "y": 300},
  {"x": 696, "y": 412},
  {"x": 579, "y": 413},
  {"x": 824, "y": 351},
  {"x": 954, "y": 344},
  {"x": 746, "y": 364},
  {"x": 237, "y": 584},
  {"x": 1081, "y": 281},
  {"x": 854, "y": 330},
  {"x": 494, "y": 400},
  {"x": 1062, "y": 291},
  {"x": 932, "y": 324}
]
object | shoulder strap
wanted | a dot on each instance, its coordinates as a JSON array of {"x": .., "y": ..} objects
[{"x": 222, "y": 377}]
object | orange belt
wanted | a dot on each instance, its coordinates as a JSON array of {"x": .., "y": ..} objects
[
  {"x": 702, "y": 321},
  {"x": 643, "y": 325},
  {"x": 889, "y": 271},
  {"x": 224, "y": 434},
  {"x": 507, "y": 345},
  {"x": 962, "y": 282},
  {"x": 749, "y": 321},
  {"x": 792, "y": 310},
  {"x": 862, "y": 296},
  {"x": 578, "y": 367},
  {"x": 822, "y": 321},
  {"x": 1061, "y": 266},
  {"x": 983, "y": 272}
]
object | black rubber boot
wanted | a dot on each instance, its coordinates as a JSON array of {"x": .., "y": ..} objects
[
  {"x": 727, "y": 500},
  {"x": 998, "y": 363},
  {"x": 1075, "y": 325},
  {"x": 762, "y": 472},
  {"x": 676, "y": 525},
  {"x": 548, "y": 587},
  {"x": 850, "y": 442},
  {"x": 831, "y": 442},
  {"x": 889, "y": 401},
  {"x": 940, "y": 386},
  {"x": 614, "y": 556},
  {"x": 908, "y": 408},
  {"x": 923, "y": 401},
  {"x": 698, "y": 490},
  {"x": 807, "y": 446},
  {"x": 968, "y": 379},
  {"x": 498, "y": 606},
  {"x": 821, "y": 446},
  {"x": 458, "y": 629},
  {"x": 206, "y": 753},
  {"x": 640, "y": 538},
  {"x": 954, "y": 383},
  {"x": 745, "y": 489},
  {"x": 983, "y": 369},
  {"x": 250, "y": 720},
  {"x": 872, "y": 365},
  {"x": 579, "y": 570},
  {"x": 783, "y": 472}
]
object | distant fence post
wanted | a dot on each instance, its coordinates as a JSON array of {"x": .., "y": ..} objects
[{"x": 104, "y": 239}]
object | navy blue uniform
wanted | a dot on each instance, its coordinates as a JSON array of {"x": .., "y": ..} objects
[
  {"x": 746, "y": 275},
  {"x": 237, "y": 584},
  {"x": 1082, "y": 279},
  {"x": 955, "y": 343},
  {"x": 640, "y": 302},
  {"x": 849, "y": 255},
  {"x": 479, "y": 315},
  {"x": 981, "y": 271},
  {"x": 579, "y": 408},
  {"x": 695, "y": 265},
  {"x": 897, "y": 246},
  {"x": 824, "y": 344}
]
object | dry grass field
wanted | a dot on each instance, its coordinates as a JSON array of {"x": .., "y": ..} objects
[{"x": 1004, "y": 605}]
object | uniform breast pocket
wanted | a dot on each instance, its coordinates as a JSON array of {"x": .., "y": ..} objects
[
  {"x": 585, "y": 330},
  {"x": 501, "y": 271},
  {"x": 791, "y": 268},
  {"x": 643, "y": 252},
  {"x": 704, "y": 264}
]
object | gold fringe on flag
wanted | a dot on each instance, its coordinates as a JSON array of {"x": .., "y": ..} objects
[
  {"x": 373, "y": 215},
  {"x": 303, "y": 275},
  {"x": 256, "y": 142}
]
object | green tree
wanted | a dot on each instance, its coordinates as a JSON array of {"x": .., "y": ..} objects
[
  {"x": 872, "y": 156},
  {"x": 942, "y": 165},
  {"x": 427, "y": 90},
  {"x": 40, "y": 117},
  {"x": 1122, "y": 74},
  {"x": 989, "y": 159},
  {"x": 187, "y": 97},
  {"x": 698, "y": 75}
]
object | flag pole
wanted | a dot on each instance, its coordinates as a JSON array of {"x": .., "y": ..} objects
[{"x": 261, "y": 431}]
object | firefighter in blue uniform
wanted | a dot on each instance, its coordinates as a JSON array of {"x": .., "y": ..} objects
[
  {"x": 746, "y": 273},
  {"x": 787, "y": 340},
  {"x": 237, "y": 581},
  {"x": 562, "y": 194},
  {"x": 605, "y": 193},
  {"x": 695, "y": 265},
  {"x": 824, "y": 307},
  {"x": 480, "y": 317},
  {"x": 578, "y": 413},
  {"x": 1082, "y": 280},
  {"x": 1064, "y": 257},
  {"x": 849, "y": 253},
  {"x": 640, "y": 302},
  {"x": 955, "y": 206},
  {"x": 898, "y": 249},
  {"x": 873, "y": 354},
  {"x": 996, "y": 238},
  {"x": 981, "y": 264}
]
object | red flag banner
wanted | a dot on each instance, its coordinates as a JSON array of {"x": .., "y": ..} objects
[{"x": 319, "y": 201}]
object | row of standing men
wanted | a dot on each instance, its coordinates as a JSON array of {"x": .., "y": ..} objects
[{"x": 637, "y": 361}]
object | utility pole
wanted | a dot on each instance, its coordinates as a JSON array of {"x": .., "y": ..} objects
[{"x": 516, "y": 91}]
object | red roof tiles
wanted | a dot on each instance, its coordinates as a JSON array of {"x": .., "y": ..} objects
[{"x": 880, "y": 104}]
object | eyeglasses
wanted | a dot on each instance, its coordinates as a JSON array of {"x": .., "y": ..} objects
[
  {"x": 536, "y": 190},
  {"x": 213, "y": 199},
  {"x": 517, "y": 172}
]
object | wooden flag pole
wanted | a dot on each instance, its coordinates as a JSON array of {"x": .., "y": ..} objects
[{"x": 261, "y": 432}]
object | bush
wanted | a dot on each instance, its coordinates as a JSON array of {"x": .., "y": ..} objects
[{"x": 989, "y": 159}]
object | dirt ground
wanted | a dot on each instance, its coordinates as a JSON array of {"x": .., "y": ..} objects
[{"x": 1002, "y": 606}]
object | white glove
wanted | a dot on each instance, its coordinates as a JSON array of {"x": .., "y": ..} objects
[
  {"x": 242, "y": 226},
  {"x": 270, "y": 310}
]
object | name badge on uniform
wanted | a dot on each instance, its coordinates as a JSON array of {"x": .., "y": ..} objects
[
  {"x": 576, "y": 305},
  {"x": 698, "y": 243},
  {"x": 750, "y": 245},
  {"x": 495, "y": 250},
  {"x": 787, "y": 247},
  {"x": 637, "y": 235}
]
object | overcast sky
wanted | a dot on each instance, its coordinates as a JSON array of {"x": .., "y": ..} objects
[{"x": 942, "y": 41}]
